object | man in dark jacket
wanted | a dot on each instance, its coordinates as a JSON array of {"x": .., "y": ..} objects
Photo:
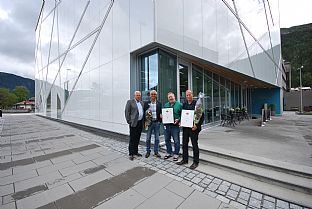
[
  {"x": 192, "y": 133},
  {"x": 134, "y": 115},
  {"x": 152, "y": 110}
]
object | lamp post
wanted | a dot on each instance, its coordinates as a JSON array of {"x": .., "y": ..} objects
[{"x": 301, "y": 108}]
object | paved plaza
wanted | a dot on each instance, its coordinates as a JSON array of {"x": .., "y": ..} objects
[
  {"x": 286, "y": 138},
  {"x": 46, "y": 164}
]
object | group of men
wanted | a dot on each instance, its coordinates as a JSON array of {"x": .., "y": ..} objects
[{"x": 135, "y": 113}]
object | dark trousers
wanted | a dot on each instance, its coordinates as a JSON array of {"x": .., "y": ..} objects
[
  {"x": 135, "y": 135},
  {"x": 188, "y": 133}
]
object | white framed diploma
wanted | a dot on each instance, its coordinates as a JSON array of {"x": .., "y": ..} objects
[
  {"x": 167, "y": 115},
  {"x": 187, "y": 118}
]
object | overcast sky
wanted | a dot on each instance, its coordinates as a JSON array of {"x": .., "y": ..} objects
[{"x": 18, "y": 19}]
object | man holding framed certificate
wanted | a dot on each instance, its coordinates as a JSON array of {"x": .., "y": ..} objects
[
  {"x": 191, "y": 129},
  {"x": 171, "y": 115}
]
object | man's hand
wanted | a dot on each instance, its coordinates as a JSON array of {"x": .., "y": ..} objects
[
  {"x": 194, "y": 128},
  {"x": 176, "y": 121}
]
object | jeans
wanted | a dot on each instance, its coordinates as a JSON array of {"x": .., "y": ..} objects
[
  {"x": 187, "y": 134},
  {"x": 174, "y": 132},
  {"x": 154, "y": 127}
]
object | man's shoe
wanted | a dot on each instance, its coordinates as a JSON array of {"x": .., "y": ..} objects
[
  {"x": 147, "y": 155},
  {"x": 193, "y": 166},
  {"x": 139, "y": 155},
  {"x": 156, "y": 154},
  {"x": 131, "y": 157},
  {"x": 182, "y": 162},
  {"x": 175, "y": 157},
  {"x": 167, "y": 156}
]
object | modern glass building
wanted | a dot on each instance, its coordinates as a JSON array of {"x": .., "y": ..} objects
[{"x": 91, "y": 55}]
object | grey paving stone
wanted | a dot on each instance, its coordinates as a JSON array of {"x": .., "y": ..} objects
[
  {"x": 213, "y": 187},
  {"x": 56, "y": 167},
  {"x": 77, "y": 168},
  {"x": 235, "y": 187},
  {"x": 152, "y": 185},
  {"x": 162, "y": 199},
  {"x": 223, "y": 199},
  {"x": 242, "y": 201},
  {"x": 119, "y": 165},
  {"x": 8, "y": 206},
  {"x": 126, "y": 200},
  {"x": 38, "y": 180},
  {"x": 256, "y": 195},
  {"x": 217, "y": 181},
  {"x": 246, "y": 190},
  {"x": 196, "y": 180},
  {"x": 6, "y": 189},
  {"x": 206, "y": 181},
  {"x": 221, "y": 192},
  {"x": 44, "y": 198},
  {"x": 268, "y": 204},
  {"x": 199, "y": 200},
  {"x": 282, "y": 204},
  {"x": 244, "y": 196},
  {"x": 182, "y": 174},
  {"x": 198, "y": 188},
  {"x": 231, "y": 194},
  {"x": 180, "y": 189},
  {"x": 210, "y": 193},
  {"x": 5, "y": 173},
  {"x": 63, "y": 180},
  {"x": 293, "y": 206},
  {"x": 89, "y": 180},
  {"x": 226, "y": 183},
  {"x": 255, "y": 203},
  {"x": 201, "y": 175},
  {"x": 190, "y": 176},
  {"x": 268, "y": 198},
  {"x": 237, "y": 205},
  {"x": 202, "y": 185},
  {"x": 18, "y": 177},
  {"x": 223, "y": 188},
  {"x": 7, "y": 199},
  {"x": 188, "y": 183}
]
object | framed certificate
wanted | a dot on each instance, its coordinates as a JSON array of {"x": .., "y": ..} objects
[
  {"x": 187, "y": 118},
  {"x": 167, "y": 115}
]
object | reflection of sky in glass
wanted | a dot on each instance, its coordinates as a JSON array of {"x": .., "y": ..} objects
[{"x": 153, "y": 71}]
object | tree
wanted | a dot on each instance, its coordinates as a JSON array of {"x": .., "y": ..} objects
[
  {"x": 7, "y": 99},
  {"x": 21, "y": 92}
]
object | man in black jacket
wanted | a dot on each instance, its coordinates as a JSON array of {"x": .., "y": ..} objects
[
  {"x": 192, "y": 133},
  {"x": 152, "y": 110}
]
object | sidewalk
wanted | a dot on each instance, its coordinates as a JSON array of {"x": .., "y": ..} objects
[
  {"x": 46, "y": 164},
  {"x": 286, "y": 138}
]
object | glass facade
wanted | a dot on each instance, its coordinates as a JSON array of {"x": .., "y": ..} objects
[{"x": 91, "y": 55}]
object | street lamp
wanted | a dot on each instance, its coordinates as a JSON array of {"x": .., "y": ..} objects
[{"x": 301, "y": 108}]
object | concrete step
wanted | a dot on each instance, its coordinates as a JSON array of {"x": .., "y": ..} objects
[
  {"x": 248, "y": 181},
  {"x": 284, "y": 167},
  {"x": 269, "y": 175}
]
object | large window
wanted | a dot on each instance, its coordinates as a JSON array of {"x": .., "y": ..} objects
[
  {"x": 197, "y": 80},
  {"x": 149, "y": 74},
  {"x": 216, "y": 98},
  {"x": 208, "y": 96},
  {"x": 167, "y": 75},
  {"x": 158, "y": 71}
]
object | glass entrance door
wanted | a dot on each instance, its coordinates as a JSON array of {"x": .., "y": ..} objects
[{"x": 183, "y": 80}]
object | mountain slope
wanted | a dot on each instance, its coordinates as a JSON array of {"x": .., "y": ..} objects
[
  {"x": 297, "y": 49},
  {"x": 9, "y": 81}
]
